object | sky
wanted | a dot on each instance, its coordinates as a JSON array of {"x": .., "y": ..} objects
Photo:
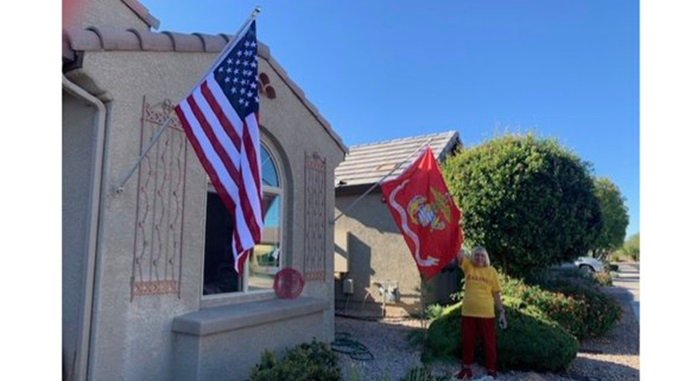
[{"x": 381, "y": 70}]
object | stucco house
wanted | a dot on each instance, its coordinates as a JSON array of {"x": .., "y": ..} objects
[
  {"x": 375, "y": 273},
  {"x": 148, "y": 290}
]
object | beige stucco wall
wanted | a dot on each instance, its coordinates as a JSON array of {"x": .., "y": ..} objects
[
  {"x": 378, "y": 253},
  {"x": 133, "y": 339},
  {"x": 109, "y": 13}
]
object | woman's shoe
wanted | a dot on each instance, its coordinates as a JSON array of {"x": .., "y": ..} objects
[{"x": 465, "y": 374}]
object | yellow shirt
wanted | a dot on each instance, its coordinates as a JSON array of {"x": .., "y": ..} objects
[{"x": 481, "y": 282}]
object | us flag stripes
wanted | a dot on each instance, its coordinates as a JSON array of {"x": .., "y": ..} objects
[{"x": 221, "y": 120}]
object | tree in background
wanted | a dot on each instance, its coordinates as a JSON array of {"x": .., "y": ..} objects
[
  {"x": 615, "y": 218},
  {"x": 529, "y": 201},
  {"x": 632, "y": 247}
]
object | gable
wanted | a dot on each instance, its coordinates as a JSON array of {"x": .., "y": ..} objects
[{"x": 119, "y": 13}]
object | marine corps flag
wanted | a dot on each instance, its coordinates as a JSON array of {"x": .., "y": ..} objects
[{"x": 426, "y": 214}]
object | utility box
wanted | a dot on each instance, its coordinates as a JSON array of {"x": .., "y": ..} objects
[{"x": 347, "y": 286}]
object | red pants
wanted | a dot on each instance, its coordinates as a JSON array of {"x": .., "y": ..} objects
[{"x": 471, "y": 328}]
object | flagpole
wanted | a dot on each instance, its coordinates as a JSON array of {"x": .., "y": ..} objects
[
  {"x": 121, "y": 187},
  {"x": 379, "y": 182}
]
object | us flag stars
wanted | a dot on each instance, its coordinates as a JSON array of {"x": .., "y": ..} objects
[{"x": 237, "y": 76}]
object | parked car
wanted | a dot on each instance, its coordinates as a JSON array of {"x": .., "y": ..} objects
[{"x": 589, "y": 264}]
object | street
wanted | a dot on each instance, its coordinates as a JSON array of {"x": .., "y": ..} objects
[{"x": 628, "y": 281}]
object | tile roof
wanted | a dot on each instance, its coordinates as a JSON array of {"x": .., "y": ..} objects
[
  {"x": 368, "y": 163},
  {"x": 142, "y": 12},
  {"x": 76, "y": 40}
]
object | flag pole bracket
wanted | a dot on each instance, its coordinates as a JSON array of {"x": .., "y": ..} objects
[{"x": 121, "y": 187}]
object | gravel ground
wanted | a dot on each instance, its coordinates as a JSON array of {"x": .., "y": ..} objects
[{"x": 612, "y": 357}]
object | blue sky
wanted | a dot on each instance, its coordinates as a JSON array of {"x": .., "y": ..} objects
[{"x": 380, "y": 70}]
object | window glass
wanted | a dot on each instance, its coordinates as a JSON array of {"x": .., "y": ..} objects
[
  {"x": 265, "y": 260},
  {"x": 219, "y": 275},
  {"x": 269, "y": 173}
]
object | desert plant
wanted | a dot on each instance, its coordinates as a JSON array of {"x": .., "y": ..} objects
[
  {"x": 307, "y": 361},
  {"x": 532, "y": 341}
]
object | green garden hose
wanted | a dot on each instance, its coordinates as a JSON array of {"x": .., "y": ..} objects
[{"x": 343, "y": 343}]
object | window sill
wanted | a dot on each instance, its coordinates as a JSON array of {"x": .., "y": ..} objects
[
  {"x": 214, "y": 320},
  {"x": 217, "y": 300}
]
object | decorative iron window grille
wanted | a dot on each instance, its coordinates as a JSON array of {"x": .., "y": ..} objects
[
  {"x": 159, "y": 225},
  {"x": 315, "y": 221}
]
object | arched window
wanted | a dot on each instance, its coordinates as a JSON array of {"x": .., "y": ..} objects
[{"x": 219, "y": 275}]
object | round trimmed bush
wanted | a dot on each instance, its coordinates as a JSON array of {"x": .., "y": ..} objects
[
  {"x": 529, "y": 201},
  {"x": 532, "y": 341}
]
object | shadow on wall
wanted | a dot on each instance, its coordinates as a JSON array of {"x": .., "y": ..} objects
[
  {"x": 437, "y": 290},
  {"x": 360, "y": 272}
]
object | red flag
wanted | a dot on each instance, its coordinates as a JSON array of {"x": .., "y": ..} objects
[
  {"x": 426, "y": 214},
  {"x": 221, "y": 120}
]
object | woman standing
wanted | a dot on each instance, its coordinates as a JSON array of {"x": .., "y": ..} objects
[{"x": 481, "y": 294}]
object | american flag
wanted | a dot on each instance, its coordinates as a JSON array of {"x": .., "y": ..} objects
[{"x": 220, "y": 117}]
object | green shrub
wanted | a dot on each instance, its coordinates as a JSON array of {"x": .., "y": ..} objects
[
  {"x": 434, "y": 311},
  {"x": 603, "y": 278},
  {"x": 529, "y": 201},
  {"x": 532, "y": 341},
  {"x": 615, "y": 218},
  {"x": 574, "y": 275},
  {"x": 632, "y": 247},
  {"x": 602, "y": 310},
  {"x": 308, "y": 361},
  {"x": 565, "y": 310}
]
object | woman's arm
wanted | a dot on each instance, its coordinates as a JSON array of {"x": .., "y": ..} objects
[
  {"x": 497, "y": 301},
  {"x": 503, "y": 323}
]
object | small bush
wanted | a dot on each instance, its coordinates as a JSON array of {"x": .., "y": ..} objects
[
  {"x": 603, "y": 278},
  {"x": 565, "y": 310},
  {"x": 572, "y": 275},
  {"x": 602, "y": 310},
  {"x": 532, "y": 341},
  {"x": 308, "y": 361}
]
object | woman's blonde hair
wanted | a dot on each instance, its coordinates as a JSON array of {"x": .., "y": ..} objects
[{"x": 483, "y": 251}]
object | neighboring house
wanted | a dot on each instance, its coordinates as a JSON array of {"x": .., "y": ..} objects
[
  {"x": 370, "y": 252},
  {"x": 149, "y": 291}
]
